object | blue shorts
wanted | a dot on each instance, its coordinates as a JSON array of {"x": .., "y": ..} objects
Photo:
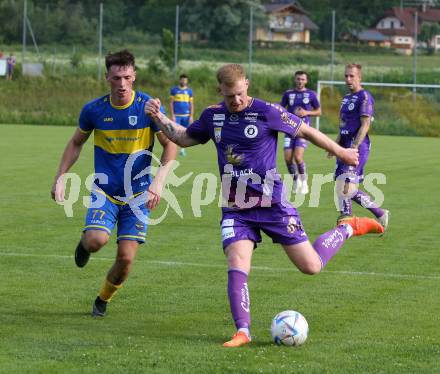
[
  {"x": 182, "y": 120},
  {"x": 292, "y": 143},
  {"x": 281, "y": 222},
  {"x": 132, "y": 221}
]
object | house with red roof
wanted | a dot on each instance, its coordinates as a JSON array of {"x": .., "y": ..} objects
[{"x": 396, "y": 28}]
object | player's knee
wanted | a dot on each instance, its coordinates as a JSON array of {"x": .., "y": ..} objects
[
  {"x": 298, "y": 158},
  {"x": 94, "y": 243},
  {"x": 311, "y": 268},
  {"x": 125, "y": 260},
  {"x": 346, "y": 188}
]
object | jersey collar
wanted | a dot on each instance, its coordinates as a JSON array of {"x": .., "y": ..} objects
[{"x": 123, "y": 106}]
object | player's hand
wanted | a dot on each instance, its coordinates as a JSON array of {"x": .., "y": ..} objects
[
  {"x": 57, "y": 191},
  {"x": 349, "y": 156},
  {"x": 191, "y": 119},
  {"x": 330, "y": 155},
  {"x": 300, "y": 112},
  {"x": 154, "y": 193},
  {"x": 152, "y": 107}
]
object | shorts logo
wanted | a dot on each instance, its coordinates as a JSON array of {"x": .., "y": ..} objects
[
  {"x": 292, "y": 226},
  {"x": 218, "y": 134},
  {"x": 227, "y": 232},
  {"x": 132, "y": 120},
  {"x": 228, "y": 222},
  {"x": 251, "y": 131},
  {"x": 219, "y": 117},
  {"x": 139, "y": 226},
  {"x": 351, "y": 106},
  {"x": 287, "y": 142}
]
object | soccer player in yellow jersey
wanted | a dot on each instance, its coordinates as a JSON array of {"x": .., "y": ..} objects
[
  {"x": 182, "y": 104},
  {"x": 124, "y": 138}
]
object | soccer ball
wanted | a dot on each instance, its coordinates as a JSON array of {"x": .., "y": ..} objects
[{"x": 289, "y": 328}]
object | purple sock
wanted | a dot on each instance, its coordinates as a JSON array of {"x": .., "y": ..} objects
[
  {"x": 292, "y": 170},
  {"x": 302, "y": 168},
  {"x": 363, "y": 199},
  {"x": 329, "y": 243},
  {"x": 345, "y": 206},
  {"x": 238, "y": 294}
]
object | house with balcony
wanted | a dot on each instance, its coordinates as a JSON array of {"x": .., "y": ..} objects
[{"x": 286, "y": 22}]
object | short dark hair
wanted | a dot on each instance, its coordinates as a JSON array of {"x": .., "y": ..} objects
[
  {"x": 183, "y": 76},
  {"x": 121, "y": 58},
  {"x": 301, "y": 72}
]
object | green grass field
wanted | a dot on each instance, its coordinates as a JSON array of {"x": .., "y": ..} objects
[{"x": 374, "y": 309}]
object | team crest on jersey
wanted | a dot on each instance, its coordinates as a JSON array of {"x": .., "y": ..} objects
[
  {"x": 217, "y": 134},
  {"x": 351, "y": 106},
  {"x": 132, "y": 120},
  {"x": 251, "y": 131},
  {"x": 306, "y": 100}
]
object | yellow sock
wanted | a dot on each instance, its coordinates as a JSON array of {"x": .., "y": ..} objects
[{"x": 108, "y": 290}]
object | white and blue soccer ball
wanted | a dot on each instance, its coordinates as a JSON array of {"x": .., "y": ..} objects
[{"x": 289, "y": 328}]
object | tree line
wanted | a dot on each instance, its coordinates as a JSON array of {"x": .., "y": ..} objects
[{"x": 222, "y": 22}]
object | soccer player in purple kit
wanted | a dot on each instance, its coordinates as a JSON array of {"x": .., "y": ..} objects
[
  {"x": 305, "y": 104},
  {"x": 244, "y": 130},
  {"x": 356, "y": 116}
]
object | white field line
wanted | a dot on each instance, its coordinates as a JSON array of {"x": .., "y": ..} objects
[{"x": 217, "y": 266}]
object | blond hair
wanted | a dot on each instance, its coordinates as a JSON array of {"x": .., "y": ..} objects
[
  {"x": 354, "y": 66},
  {"x": 230, "y": 74}
]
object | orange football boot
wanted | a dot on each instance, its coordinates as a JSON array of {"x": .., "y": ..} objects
[
  {"x": 240, "y": 338},
  {"x": 362, "y": 225}
]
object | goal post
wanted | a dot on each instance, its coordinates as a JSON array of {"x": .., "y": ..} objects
[{"x": 396, "y": 101}]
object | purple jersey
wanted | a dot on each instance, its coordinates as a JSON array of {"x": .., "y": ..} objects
[
  {"x": 353, "y": 107},
  {"x": 293, "y": 99},
  {"x": 246, "y": 145}
]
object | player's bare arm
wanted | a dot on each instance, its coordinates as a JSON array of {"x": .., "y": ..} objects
[
  {"x": 349, "y": 156},
  {"x": 363, "y": 131},
  {"x": 70, "y": 155},
  {"x": 166, "y": 162},
  {"x": 301, "y": 112},
  {"x": 176, "y": 133}
]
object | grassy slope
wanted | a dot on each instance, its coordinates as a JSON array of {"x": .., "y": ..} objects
[{"x": 172, "y": 315}]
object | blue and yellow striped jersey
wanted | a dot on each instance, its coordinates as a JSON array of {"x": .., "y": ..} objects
[
  {"x": 182, "y": 99},
  {"x": 120, "y": 132}
]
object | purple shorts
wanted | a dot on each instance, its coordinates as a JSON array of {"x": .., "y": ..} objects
[
  {"x": 281, "y": 223},
  {"x": 291, "y": 143},
  {"x": 353, "y": 174}
]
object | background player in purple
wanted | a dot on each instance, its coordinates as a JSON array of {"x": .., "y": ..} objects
[
  {"x": 245, "y": 132},
  {"x": 304, "y": 103},
  {"x": 356, "y": 116}
]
